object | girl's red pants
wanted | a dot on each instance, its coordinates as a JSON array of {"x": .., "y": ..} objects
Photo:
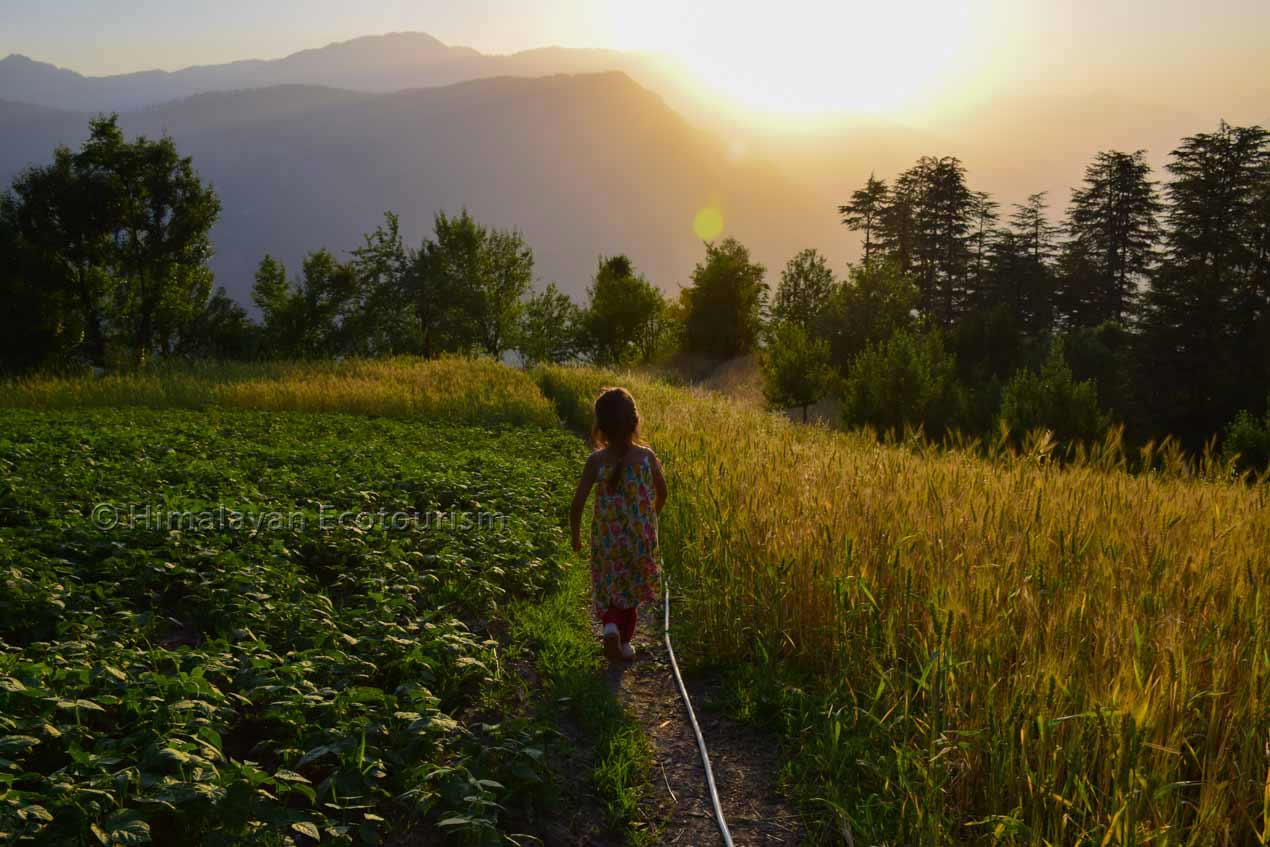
[{"x": 624, "y": 619}]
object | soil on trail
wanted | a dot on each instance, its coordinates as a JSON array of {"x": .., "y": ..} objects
[{"x": 677, "y": 806}]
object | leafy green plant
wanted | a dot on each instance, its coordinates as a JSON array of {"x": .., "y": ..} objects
[{"x": 234, "y": 684}]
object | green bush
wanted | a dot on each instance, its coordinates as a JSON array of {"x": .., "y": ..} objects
[
  {"x": 1247, "y": 442},
  {"x": 796, "y": 369},
  {"x": 1054, "y": 400},
  {"x": 1102, "y": 354},
  {"x": 907, "y": 381}
]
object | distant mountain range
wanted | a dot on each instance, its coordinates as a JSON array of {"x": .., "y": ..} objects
[
  {"x": 588, "y": 151},
  {"x": 583, "y": 164},
  {"x": 378, "y": 63},
  {"x": 310, "y": 150}
]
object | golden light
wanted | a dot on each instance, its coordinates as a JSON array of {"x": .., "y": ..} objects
[
  {"x": 708, "y": 223},
  {"x": 808, "y": 58}
]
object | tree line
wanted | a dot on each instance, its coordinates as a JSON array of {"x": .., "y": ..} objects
[
  {"x": 1146, "y": 306},
  {"x": 105, "y": 255}
]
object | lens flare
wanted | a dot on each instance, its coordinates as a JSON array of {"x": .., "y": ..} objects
[{"x": 708, "y": 223}]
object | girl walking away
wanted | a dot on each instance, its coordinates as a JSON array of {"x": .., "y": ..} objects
[{"x": 629, "y": 492}]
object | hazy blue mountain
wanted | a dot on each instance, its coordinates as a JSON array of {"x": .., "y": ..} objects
[
  {"x": 28, "y": 134},
  {"x": 583, "y": 164},
  {"x": 379, "y": 63}
]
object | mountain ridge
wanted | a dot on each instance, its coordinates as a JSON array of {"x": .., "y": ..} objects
[
  {"x": 583, "y": 164},
  {"x": 379, "y": 63}
]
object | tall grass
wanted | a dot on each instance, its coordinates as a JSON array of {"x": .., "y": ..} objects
[
  {"x": 987, "y": 650},
  {"x": 458, "y": 389}
]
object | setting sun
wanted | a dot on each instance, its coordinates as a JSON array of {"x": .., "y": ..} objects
[{"x": 840, "y": 57}]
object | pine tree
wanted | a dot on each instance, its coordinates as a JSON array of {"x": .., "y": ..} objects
[
  {"x": 1203, "y": 354},
  {"x": 984, "y": 218},
  {"x": 1030, "y": 251},
  {"x": 896, "y": 224},
  {"x": 865, "y": 211},
  {"x": 926, "y": 229},
  {"x": 1113, "y": 222}
]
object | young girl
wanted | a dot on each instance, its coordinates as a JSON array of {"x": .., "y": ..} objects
[{"x": 631, "y": 491}]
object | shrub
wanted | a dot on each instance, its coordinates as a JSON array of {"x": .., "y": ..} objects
[
  {"x": 1247, "y": 442},
  {"x": 907, "y": 381},
  {"x": 1102, "y": 354},
  {"x": 796, "y": 370},
  {"x": 1052, "y": 399}
]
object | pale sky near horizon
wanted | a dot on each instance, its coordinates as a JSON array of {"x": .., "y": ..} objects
[{"x": 875, "y": 57}]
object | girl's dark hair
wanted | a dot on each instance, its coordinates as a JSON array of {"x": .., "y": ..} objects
[{"x": 616, "y": 426}]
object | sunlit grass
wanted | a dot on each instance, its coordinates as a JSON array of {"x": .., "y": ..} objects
[
  {"x": 1002, "y": 650},
  {"x": 456, "y": 389}
]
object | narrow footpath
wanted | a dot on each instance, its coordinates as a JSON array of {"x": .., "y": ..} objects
[{"x": 677, "y": 806}]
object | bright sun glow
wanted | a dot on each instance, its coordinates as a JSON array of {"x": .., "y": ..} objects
[{"x": 885, "y": 56}]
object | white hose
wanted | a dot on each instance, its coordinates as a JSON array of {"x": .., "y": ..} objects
[{"x": 701, "y": 742}]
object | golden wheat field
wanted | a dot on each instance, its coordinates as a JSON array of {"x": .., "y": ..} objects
[
  {"x": 460, "y": 389},
  {"x": 994, "y": 650}
]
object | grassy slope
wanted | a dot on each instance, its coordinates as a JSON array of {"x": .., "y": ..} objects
[
  {"x": 957, "y": 648},
  {"x": 477, "y": 391}
]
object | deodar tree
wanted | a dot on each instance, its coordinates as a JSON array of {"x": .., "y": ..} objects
[
  {"x": 1206, "y": 341},
  {"x": 865, "y": 212},
  {"x": 1113, "y": 224}
]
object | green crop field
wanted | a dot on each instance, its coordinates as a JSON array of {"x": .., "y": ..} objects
[{"x": 296, "y": 666}]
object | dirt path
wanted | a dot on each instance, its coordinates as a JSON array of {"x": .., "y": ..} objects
[{"x": 677, "y": 806}]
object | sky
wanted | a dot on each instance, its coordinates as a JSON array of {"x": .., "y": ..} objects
[{"x": 888, "y": 57}]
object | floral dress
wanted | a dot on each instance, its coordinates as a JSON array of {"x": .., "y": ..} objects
[{"x": 624, "y": 555}]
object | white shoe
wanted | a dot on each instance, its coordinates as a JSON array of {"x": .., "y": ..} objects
[
  {"x": 612, "y": 642},
  {"x": 627, "y": 651}
]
